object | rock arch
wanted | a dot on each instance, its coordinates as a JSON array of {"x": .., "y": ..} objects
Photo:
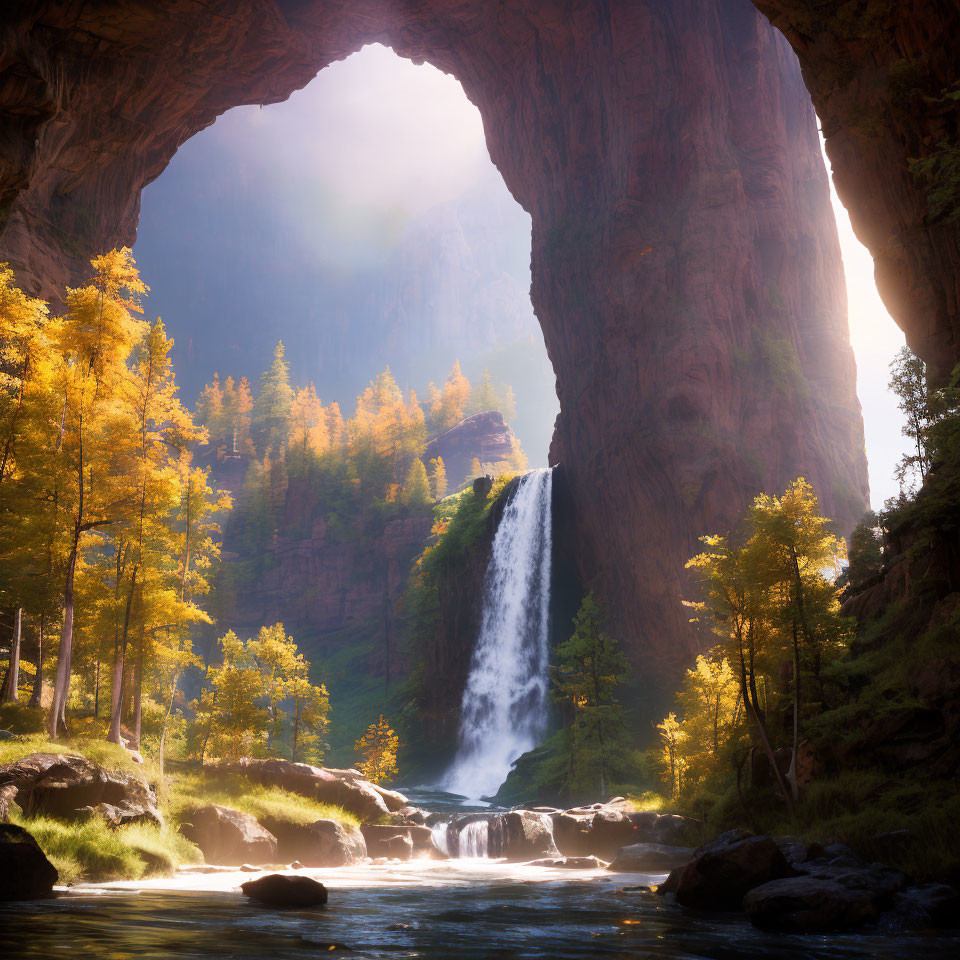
[{"x": 686, "y": 269}]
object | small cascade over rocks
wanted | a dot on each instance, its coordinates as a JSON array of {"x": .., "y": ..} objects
[
  {"x": 519, "y": 835},
  {"x": 475, "y": 839},
  {"x": 504, "y": 703}
]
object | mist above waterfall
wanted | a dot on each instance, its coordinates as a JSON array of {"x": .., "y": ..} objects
[{"x": 504, "y": 703}]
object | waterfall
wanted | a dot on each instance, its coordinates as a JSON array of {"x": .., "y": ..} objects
[
  {"x": 474, "y": 839},
  {"x": 504, "y": 703},
  {"x": 438, "y": 837}
]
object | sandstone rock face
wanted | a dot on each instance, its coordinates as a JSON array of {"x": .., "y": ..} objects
[
  {"x": 381, "y": 840},
  {"x": 323, "y": 843},
  {"x": 650, "y": 858},
  {"x": 327, "y": 584},
  {"x": 878, "y": 79},
  {"x": 345, "y": 788},
  {"x": 25, "y": 872},
  {"x": 521, "y": 835},
  {"x": 607, "y": 830},
  {"x": 484, "y": 436},
  {"x": 228, "y": 836},
  {"x": 67, "y": 786},
  {"x": 279, "y": 890},
  {"x": 685, "y": 264}
]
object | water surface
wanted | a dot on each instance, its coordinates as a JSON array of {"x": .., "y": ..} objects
[{"x": 433, "y": 909}]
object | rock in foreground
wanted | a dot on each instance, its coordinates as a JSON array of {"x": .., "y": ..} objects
[
  {"x": 72, "y": 787},
  {"x": 344, "y": 788},
  {"x": 279, "y": 890},
  {"x": 323, "y": 843},
  {"x": 817, "y": 902},
  {"x": 25, "y": 872},
  {"x": 521, "y": 835},
  {"x": 721, "y": 872},
  {"x": 650, "y": 858},
  {"x": 229, "y": 836}
]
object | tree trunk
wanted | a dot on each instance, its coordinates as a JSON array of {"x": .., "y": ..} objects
[
  {"x": 795, "y": 747},
  {"x": 166, "y": 720},
  {"x": 57, "y": 722},
  {"x": 119, "y": 665},
  {"x": 37, "y": 694},
  {"x": 137, "y": 694},
  {"x": 748, "y": 690},
  {"x": 13, "y": 673}
]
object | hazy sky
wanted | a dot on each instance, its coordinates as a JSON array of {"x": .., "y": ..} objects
[
  {"x": 375, "y": 140},
  {"x": 875, "y": 338}
]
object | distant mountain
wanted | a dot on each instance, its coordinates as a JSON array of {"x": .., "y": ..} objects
[{"x": 233, "y": 268}]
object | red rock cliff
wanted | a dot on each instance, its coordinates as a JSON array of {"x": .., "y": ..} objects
[{"x": 685, "y": 263}]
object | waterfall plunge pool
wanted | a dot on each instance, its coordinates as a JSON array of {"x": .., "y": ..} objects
[{"x": 442, "y": 910}]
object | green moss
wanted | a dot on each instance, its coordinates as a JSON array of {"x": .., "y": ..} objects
[{"x": 939, "y": 171}]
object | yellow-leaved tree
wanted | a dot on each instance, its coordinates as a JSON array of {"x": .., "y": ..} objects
[{"x": 378, "y": 751}]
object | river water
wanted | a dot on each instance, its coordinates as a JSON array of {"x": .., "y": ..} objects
[{"x": 460, "y": 909}]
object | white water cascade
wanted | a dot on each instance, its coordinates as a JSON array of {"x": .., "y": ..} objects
[{"x": 504, "y": 703}]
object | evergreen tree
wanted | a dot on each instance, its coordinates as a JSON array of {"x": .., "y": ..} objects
[
  {"x": 271, "y": 410},
  {"x": 908, "y": 380},
  {"x": 591, "y": 667}
]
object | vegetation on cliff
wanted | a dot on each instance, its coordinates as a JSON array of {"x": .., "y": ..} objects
[{"x": 861, "y": 748}]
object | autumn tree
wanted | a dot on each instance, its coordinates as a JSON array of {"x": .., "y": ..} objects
[
  {"x": 416, "y": 488},
  {"x": 673, "y": 739},
  {"x": 378, "y": 751},
  {"x": 309, "y": 719},
  {"x": 454, "y": 399},
  {"x": 438, "y": 478},
  {"x": 770, "y": 601},
  {"x": 98, "y": 336}
]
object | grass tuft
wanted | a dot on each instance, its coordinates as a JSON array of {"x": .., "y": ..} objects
[
  {"x": 189, "y": 790},
  {"x": 93, "y": 851}
]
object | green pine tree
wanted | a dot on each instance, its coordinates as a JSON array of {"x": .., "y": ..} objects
[{"x": 271, "y": 411}]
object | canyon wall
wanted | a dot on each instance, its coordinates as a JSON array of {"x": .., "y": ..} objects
[
  {"x": 883, "y": 78},
  {"x": 686, "y": 270}
]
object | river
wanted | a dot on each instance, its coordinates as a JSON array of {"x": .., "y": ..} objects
[{"x": 463, "y": 909}]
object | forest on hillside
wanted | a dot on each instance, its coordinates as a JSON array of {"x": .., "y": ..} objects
[{"x": 115, "y": 506}]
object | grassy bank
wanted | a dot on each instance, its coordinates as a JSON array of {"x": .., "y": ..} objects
[{"x": 91, "y": 850}]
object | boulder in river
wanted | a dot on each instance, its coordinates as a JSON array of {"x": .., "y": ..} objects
[
  {"x": 323, "y": 843},
  {"x": 228, "y": 836},
  {"x": 421, "y": 838},
  {"x": 280, "y": 890},
  {"x": 521, "y": 835},
  {"x": 829, "y": 898},
  {"x": 720, "y": 873},
  {"x": 388, "y": 840},
  {"x": 650, "y": 858},
  {"x": 68, "y": 787},
  {"x": 25, "y": 872},
  {"x": 603, "y": 829},
  {"x": 344, "y": 788},
  {"x": 929, "y": 906}
]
